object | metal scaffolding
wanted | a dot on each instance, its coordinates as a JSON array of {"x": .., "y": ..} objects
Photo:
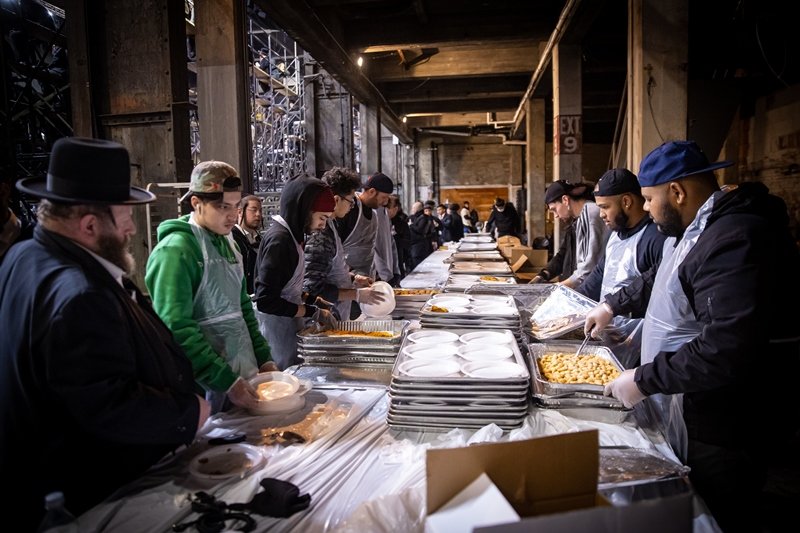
[{"x": 278, "y": 112}]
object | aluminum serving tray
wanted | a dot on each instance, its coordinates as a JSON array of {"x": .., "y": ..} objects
[
  {"x": 309, "y": 338},
  {"x": 417, "y": 423},
  {"x": 398, "y": 378},
  {"x": 542, "y": 386}
]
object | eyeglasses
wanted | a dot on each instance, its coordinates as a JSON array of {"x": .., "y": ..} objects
[{"x": 352, "y": 202}]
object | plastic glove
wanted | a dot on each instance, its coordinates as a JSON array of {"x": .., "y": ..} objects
[
  {"x": 324, "y": 318},
  {"x": 625, "y": 389},
  {"x": 597, "y": 319},
  {"x": 323, "y": 303},
  {"x": 269, "y": 366},
  {"x": 243, "y": 394},
  {"x": 362, "y": 281},
  {"x": 369, "y": 296},
  {"x": 279, "y": 499}
]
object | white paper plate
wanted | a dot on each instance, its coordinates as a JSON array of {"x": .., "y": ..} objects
[
  {"x": 450, "y": 311},
  {"x": 451, "y": 301},
  {"x": 384, "y": 308},
  {"x": 429, "y": 369},
  {"x": 493, "y": 310},
  {"x": 432, "y": 337},
  {"x": 486, "y": 337},
  {"x": 485, "y": 352},
  {"x": 493, "y": 370},
  {"x": 430, "y": 351},
  {"x": 225, "y": 462}
]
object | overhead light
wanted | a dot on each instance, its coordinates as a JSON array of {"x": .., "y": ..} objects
[
  {"x": 360, "y": 61},
  {"x": 405, "y": 119}
]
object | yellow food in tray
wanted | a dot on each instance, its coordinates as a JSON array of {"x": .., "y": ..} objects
[
  {"x": 438, "y": 309},
  {"x": 342, "y": 332},
  {"x": 490, "y": 278},
  {"x": 568, "y": 368},
  {"x": 413, "y": 292}
]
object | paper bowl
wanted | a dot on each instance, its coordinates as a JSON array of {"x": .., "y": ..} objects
[
  {"x": 384, "y": 308},
  {"x": 225, "y": 462},
  {"x": 279, "y": 393}
]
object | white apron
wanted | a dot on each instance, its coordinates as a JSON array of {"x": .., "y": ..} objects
[
  {"x": 620, "y": 266},
  {"x": 670, "y": 323},
  {"x": 359, "y": 245},
  {"x": 281, "y": 331},
  {"x": 340, "y": 273},
  {"x": 218, "y": 310}
]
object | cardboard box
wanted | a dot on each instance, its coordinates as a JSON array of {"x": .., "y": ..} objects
[
  {"x": 508, "y": 240},
  {"x": 534, "y": 257},
  {"x": 537, "y": 476},
  {"x": 551, "y": 482},
  {"x": 673, "y": 514}
]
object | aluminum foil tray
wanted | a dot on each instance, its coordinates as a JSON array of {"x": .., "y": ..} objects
[
  {"x": 544, "y": 387},
  {"x": 308, "y": 337},
  {"x": 562, "y": 311}
]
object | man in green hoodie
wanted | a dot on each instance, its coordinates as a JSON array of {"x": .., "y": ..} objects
[{"x": 195, "y": 276}]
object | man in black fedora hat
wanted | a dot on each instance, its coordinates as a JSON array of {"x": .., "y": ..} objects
[{"x": 93, "y": 388}]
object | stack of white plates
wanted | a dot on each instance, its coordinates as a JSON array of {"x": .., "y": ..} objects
[
  {"x": 459, "y": 282},
  {"x": 409, "y": 302},
  {"x": 458, "y": 378},
  {"x": 471, "y": 311}
]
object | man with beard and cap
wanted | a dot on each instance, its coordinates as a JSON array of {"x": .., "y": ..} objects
[
  {"x": 573, "y": 205},
  {"x": 94, "y": 388},
  {"x": 712, "y": 327},
  {"x": 635, "y": 243},
  {"x": 326, "y": 272},
  {"x": 306, "y": 205},
  {"x": 366, "y": 233},
  {"x": 246, "y": 234},
  {"x": 196, "y": 279}
]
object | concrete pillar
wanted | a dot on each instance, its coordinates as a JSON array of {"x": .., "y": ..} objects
[
  {"x": 223, "y": 71},
  {"x": 310, "y": 69},
  {"x": 535, "y": 180},
  {"x": 567, "y": 119},
  {"x": 370, "y": 140},
  {"x": 658, "y": 75}
]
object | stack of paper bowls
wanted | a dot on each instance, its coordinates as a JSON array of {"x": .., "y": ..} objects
[{"x": 458, "y": 378}]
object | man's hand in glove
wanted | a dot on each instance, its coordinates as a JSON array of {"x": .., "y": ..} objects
[
  {"x": 322, "y": 303},
  {"x": 279, "y": 499},
  {"x": 369, "y": 296},
  {"x": 325, "y": 319},
  {"x": 597, "y": 319},
  {"x": 243, "y": 394},
  {"x": 625, "y": 389}
]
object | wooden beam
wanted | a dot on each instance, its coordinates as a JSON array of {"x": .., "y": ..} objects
[
  {"x": 460, "y": 106},
  {"x": 511, "y": 58},
  {"x": 411, "y": 90},
  {"x": 300, "y": 21},
  {"x": 458, "y": 119}
]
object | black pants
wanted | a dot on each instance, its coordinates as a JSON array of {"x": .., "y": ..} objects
[{"x": 730, "y": 483}]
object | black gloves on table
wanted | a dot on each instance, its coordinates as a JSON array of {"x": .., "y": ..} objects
[{"x": 280, "y": 499}]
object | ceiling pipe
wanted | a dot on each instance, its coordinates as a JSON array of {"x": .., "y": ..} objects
[
  {"x": 446, "y": 132},
  {"x": 563, "y": 21}
]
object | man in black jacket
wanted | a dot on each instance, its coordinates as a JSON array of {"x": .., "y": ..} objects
[
  {"x": 503, "y": 220},
  {"x": 247, "y": 236},
  {"x": 93, "y": 388},
  {"x": 712, "y": 327}
]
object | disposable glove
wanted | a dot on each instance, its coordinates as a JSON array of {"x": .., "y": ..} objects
[
  {"x": 369, "y": 296},
  {"x": 279, "y": 499},
  {"x": 625, "y": 389},
  {"x": 362, "y": 281},
  {"x": 597, "y": 319},
  {"x": 323, "y": 303},
  {"x": 243, "y": 394},
  {"x": 325, "y": 319}
]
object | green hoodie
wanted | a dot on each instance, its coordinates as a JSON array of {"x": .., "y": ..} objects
[{"x": 173, "y": 274}]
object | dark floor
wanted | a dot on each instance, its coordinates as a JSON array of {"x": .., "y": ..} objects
[{"x": 780, "y": 499}]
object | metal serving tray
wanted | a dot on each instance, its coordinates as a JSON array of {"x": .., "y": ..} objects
[
  {"x": 451, "y": 422},
  {"x": 542, "y": 386},
  {"x": 308, "y": 337}
]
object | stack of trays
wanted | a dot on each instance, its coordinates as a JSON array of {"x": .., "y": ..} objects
[
  {"x": 476, "y": 246},
  {"x": 351, "y": 343},
  {"x": 471, "y": 311},
  {"x": 563, "y": 310},
  {"x": 577, "y": 385},
  {"x": 461, "y": 282},
  {"x": 480, "y": 267},
  {"x": 409, "y": 302},
  {"x": 493, "y": 255},
  {"x": 458, "y": 379}
]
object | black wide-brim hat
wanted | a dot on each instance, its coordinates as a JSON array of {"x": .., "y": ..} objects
[{"x": 87, "y": 171}]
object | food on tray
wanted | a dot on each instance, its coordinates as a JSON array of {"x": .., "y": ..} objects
[
  {"x": 410, "y": 292},
  {"x": 438, "y": 309},
  {"x": 547, "y": 327},
  {"x": 344, "y": 332},
  {"x": 490, "y": 278},
  {"x": 272, "y": 390},
  {"x": 570, "y": 368}
]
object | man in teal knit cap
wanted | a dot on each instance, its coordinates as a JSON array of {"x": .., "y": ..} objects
[{"x": 195, "y": 276}]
